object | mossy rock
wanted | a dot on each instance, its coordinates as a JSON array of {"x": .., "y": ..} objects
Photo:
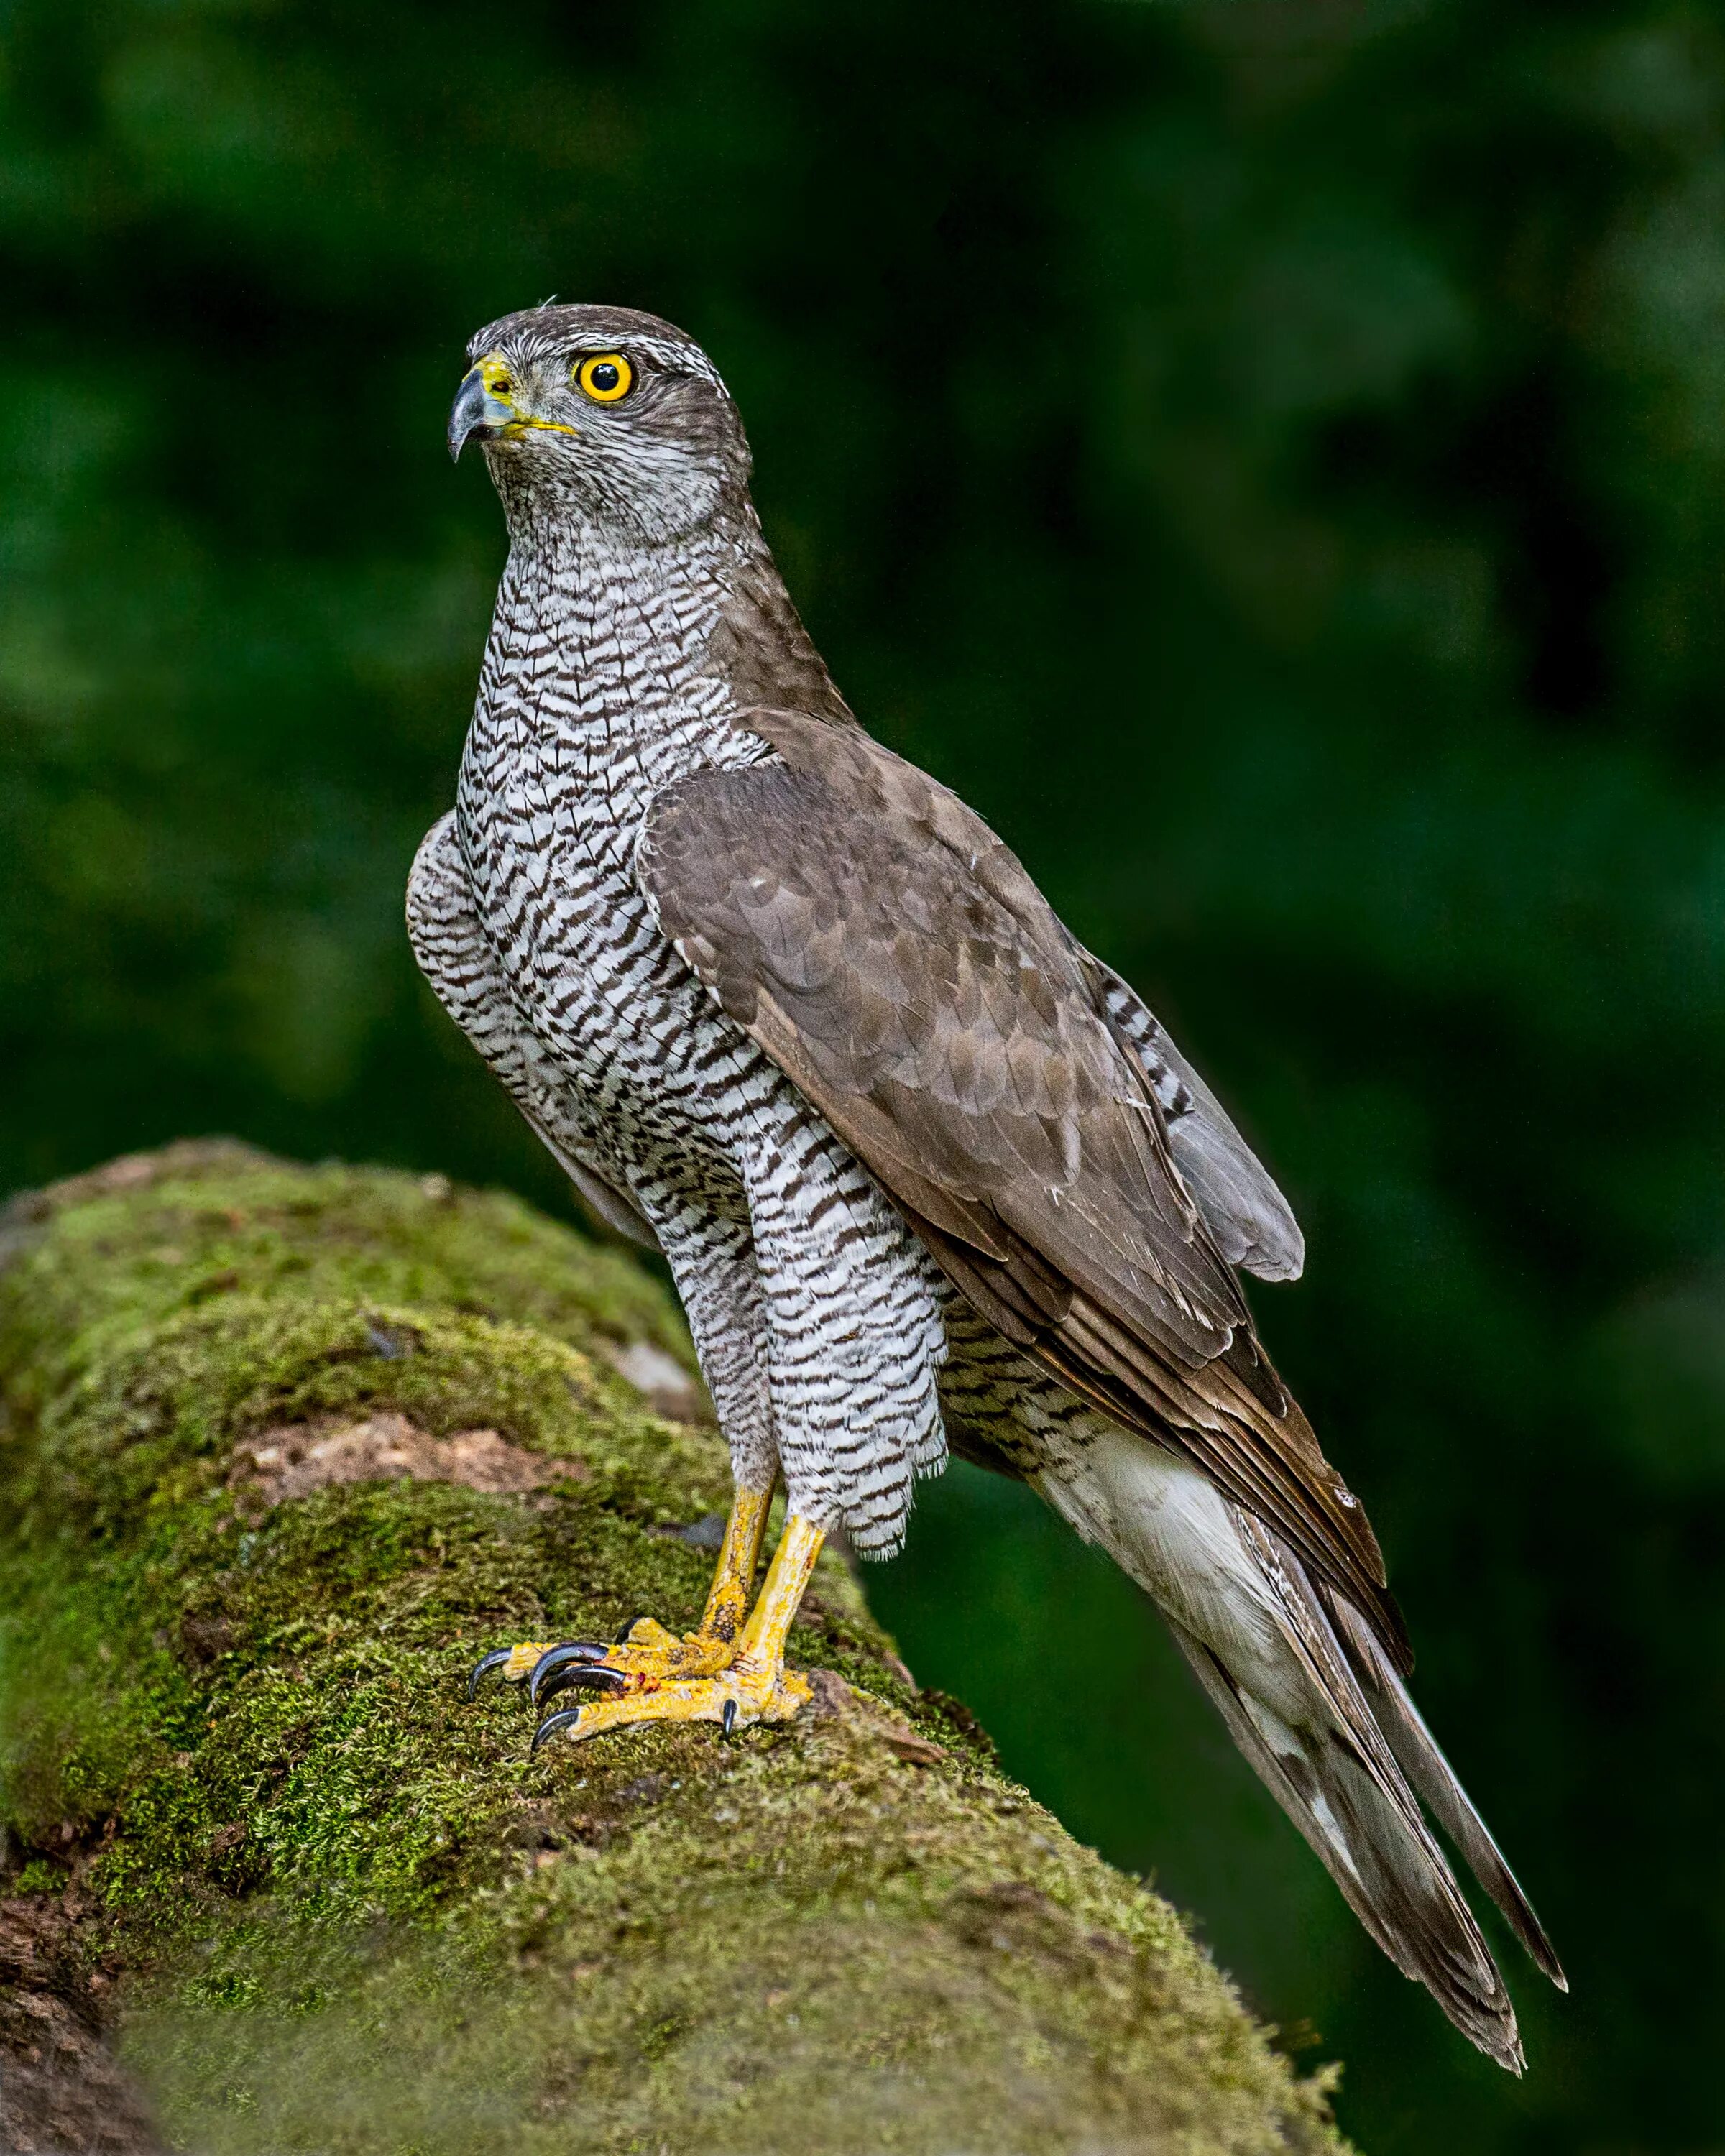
[{"x": 261, "y": 1847}]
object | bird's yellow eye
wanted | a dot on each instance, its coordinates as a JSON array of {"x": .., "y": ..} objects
[{"x": 606, "y": 379}]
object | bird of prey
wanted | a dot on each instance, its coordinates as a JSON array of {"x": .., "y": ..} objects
[{"x": 925, "y": 1171}]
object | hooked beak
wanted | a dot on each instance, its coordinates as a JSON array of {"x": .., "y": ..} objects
[{"x": 482, "y": 405}]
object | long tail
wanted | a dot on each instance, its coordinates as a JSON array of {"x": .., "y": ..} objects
[
  {"x": 1417, "y": 1754},
  {"x": 1315, "y": 1706}
]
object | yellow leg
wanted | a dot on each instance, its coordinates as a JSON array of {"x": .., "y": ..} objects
[
  {"x": 650, "y": 1649},
  {"x": 706, "y": 1647},
  {"x": 753, "y": 1686}
]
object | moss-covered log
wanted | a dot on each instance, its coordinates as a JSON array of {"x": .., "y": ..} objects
[{"x": 285, "y": 1449}]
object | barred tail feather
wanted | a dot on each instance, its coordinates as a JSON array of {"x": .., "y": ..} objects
[
  {"x": 1368, "y": 1833},
  {"x": 1417, "y": 1753},
  {"x": 1310, "y": 1696}
]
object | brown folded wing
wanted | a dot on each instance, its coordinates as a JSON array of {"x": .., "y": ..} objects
[{"x": 896, "y": 961}]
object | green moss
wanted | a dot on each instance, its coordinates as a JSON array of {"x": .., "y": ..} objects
[{"x": 356, "y": 1916}]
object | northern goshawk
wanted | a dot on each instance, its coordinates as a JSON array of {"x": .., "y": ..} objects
[{"x": 921, "y": 1166}]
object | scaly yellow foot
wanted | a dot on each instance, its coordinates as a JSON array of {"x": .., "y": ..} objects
[
  {"x": 649, "y": 1652},
  {"x": 753, "y": 1685},
  {"x": 734, "y": 1699}
]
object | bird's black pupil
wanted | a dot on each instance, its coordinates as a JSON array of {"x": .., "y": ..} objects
[{"x": 605, "y": 377}]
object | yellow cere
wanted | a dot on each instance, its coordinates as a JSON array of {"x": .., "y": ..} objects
[
  {"x": 606, "y": 378},
  {"x": 494, "y": 373}
]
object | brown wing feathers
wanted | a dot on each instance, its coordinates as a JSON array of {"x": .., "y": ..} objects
[{"x": 896, "y": 962}]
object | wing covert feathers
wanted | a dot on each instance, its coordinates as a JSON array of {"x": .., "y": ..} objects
[
  {"x": 1079, "y": 1188},
  {"x": 894, "y": 958}
]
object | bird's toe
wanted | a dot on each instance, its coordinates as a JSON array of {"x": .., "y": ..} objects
[
  {"x": 515, "y": 1664},
  {"x": 582, "y": 1677},
  {"x": 736, "y": 1698},
  {"x": 647, "y": 1657},
  {"x": 555, "y": 1661}
]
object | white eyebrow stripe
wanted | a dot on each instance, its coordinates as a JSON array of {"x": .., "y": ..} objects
[{"x": 676, "y": 358}]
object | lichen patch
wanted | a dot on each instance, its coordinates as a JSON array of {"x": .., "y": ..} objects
[{"x": 295, "y": 1458}]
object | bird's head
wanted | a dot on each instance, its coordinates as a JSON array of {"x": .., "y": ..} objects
[{"x": 602, "y": 416}]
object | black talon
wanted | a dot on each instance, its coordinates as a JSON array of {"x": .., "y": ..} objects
[
  {"x": 483, "y": 1667},
  {"x": 729, "y": 1718},
  {"x": 555, "y": 1658},
  {"x": 593, "y": 1676},
  {"x": 565, "y": 1718}
]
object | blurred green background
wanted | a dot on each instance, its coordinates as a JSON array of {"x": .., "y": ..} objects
[{"x": 1269, "y": 457}]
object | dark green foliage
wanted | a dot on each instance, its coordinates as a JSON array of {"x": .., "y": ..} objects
[
  {"x": 351, "y": 1916},
  {"x": 1269, "y": 457}
]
